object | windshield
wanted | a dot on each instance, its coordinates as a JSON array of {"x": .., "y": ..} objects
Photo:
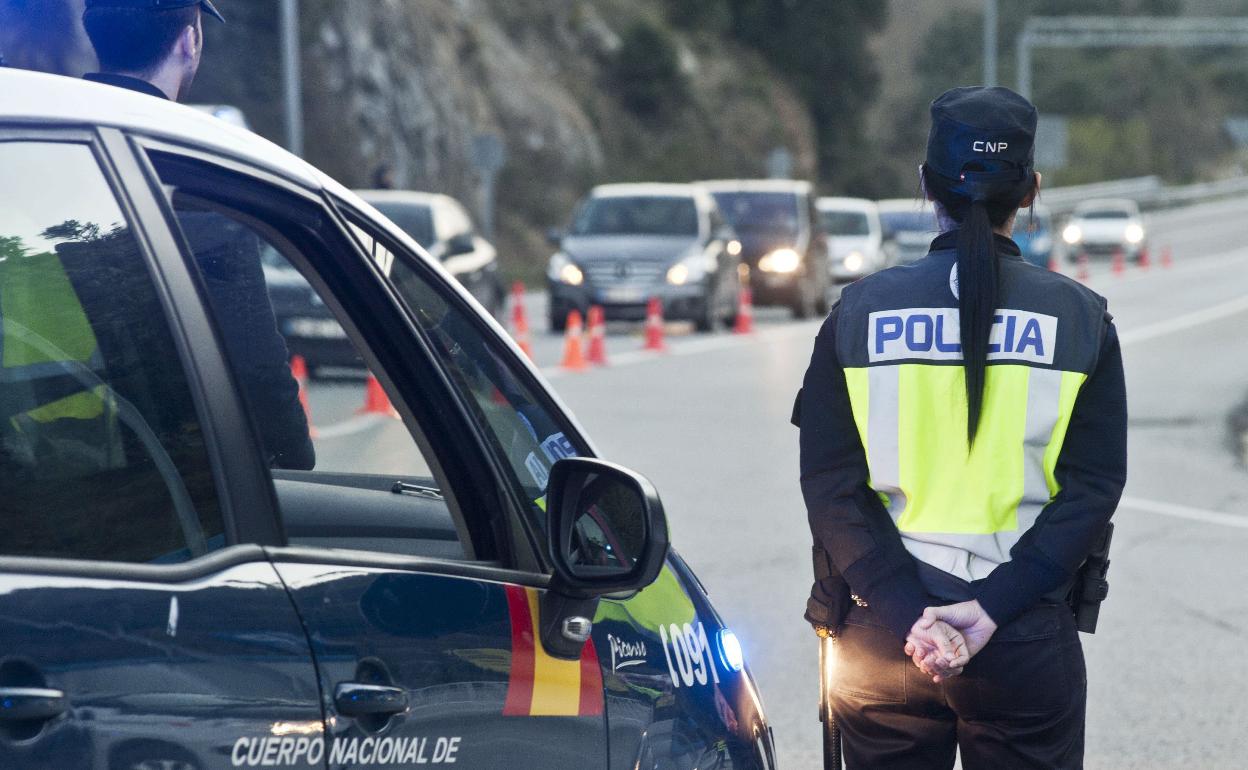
[
  {"x": 908, "y": 222},
  {"x": 754, "y": 212},
  {"x": 1104, "y": 214},
  {"x": 415, "y": 219},
  {"x": 844, "y": 222},
  {"x": 637, "y": 215}
]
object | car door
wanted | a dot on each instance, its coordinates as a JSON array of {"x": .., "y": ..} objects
[
  {"x": 669, "y": 701},
  {"x": 141, "y": 625},
  {"x": 420, "y": 587}
]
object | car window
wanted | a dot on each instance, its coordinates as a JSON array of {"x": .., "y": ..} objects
[
  {"x": 348, "y": 473},
  {"x": 525, "y": 431},
  {"x": 101, "y": 451},
  {"x": 415, "y": 219},
  {"x": 760, "y": 212},
  {"x": 1104, "y": 214},
  {"x": 844, "y": 222},
  {"x": 637, "y": 215}
]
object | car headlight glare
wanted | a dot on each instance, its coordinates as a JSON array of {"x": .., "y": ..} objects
[
  {"x": 678, "y": 275},
  {"x": 563, "y": 270},
  {"x": 780, "y": 261},
  {"x": 1072, "y": 234},
  {"x": 854, "y": 261},
  {"x": 730, "y": 650},
  {"x": 734, "y": 247},
  {"x": 1134, "y": 233}
]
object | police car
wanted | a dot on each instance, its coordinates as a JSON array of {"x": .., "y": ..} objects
[{"x": 462, "y": 582}]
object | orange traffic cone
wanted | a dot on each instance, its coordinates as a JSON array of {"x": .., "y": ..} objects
[
  {"x": 1119, "y": 265},
  {"x": 654, "y": 325},
  {"x": 573, "y": 355},
  {"x": 745, "y": 312},
  {"x": 1082, "y": 273},
  {"x": 299, "y": 371},
  {"x": 1167, "y": 257},
  {"x": 520, "y": 319},
  {"x": 597, "y": 336},
  {"x": 375, "y": 400},
  {"x": 1145, "y": 260}
]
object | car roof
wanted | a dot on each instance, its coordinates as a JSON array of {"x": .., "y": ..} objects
[
  {"x": 1119, "y": 204},
  {"x": 757, "y": 185},
  {"x": 41, "y": 99},
  {"x": 404, "y": 196},
  {"x": 645, "y": 189},
  {"x": 845, "y": 204},
  {"x": 36, "y": 97}
]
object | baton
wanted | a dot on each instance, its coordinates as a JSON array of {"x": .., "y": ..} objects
[{"x": 831, "y": 733}]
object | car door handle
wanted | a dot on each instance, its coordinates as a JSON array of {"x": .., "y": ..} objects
[
  {"x": 353, "y": 699},
  {"x": 31, "y": 703}
]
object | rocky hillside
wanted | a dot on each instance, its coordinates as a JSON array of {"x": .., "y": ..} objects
[{"x": 580, "y": 91}]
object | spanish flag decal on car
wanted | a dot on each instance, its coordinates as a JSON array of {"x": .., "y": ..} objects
[{"x": 541, "y": 685}]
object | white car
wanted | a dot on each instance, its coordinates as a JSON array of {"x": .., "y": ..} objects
[
  {"x": 1102, "y": 227},
  {"x": 444, "y": 227},
  {"x": 855, "y": 237},
  {"x": 909, "y": 227}
]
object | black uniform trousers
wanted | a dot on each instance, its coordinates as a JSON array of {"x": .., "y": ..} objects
[{"x": 1020, "y": 703}]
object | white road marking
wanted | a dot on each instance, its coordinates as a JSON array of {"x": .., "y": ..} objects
[
  {"x": 1183, "y": 322},
  {"x": 1185, "y": 512}
]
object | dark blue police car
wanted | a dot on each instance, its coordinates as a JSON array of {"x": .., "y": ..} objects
[{"x": 183, "y": 585}]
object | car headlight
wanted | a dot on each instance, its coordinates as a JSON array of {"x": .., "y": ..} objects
[
  {"x": 853, "y": 261},
  {"x": 730, "y": 653},
  {"x": 678, "y": 274},
  {"x": 733, "y": 247},
  {"x": 563, "y": 270},
  {"x": 780, "y": 261},
  {"x": 1072, "y": 234},
  {"x": 691, "y": 269},
  {"x": 1134, "y": 233}
]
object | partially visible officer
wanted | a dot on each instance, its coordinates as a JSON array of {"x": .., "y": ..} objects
[
  {"x": 155, "y": 47},
  {"x": 963, "y": 444}
]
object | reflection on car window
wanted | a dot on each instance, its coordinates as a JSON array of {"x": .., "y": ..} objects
[
  {"x": 101, "y": 452},
  {"x": 527, "y": 435},
  {"x": 640, "y": 215}
]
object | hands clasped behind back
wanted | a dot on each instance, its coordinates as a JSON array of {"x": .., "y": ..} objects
[{"x": 944, "y": 639}]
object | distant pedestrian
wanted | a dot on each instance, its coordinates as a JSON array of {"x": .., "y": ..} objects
[
  {"x": 963, "y": 446},
  {"x": 383, "y": 177}
]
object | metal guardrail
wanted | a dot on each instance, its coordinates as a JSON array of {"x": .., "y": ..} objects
[
  {"x": 1147, "y": 191},
  {"x": 1061, "y": 200}
]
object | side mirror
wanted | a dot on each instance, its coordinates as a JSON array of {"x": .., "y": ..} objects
[
  {"x": 607, "y": 530},
  {"x": 461, "y": 244},
  {"x": 555, "y": 237}
]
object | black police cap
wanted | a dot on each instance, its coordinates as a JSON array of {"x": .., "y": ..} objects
[
  {"x": 982, "y": 137},
  {"x": 158, "y": 5}
]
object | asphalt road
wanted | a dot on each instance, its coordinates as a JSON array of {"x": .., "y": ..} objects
[{"x": 708, "y": 423}]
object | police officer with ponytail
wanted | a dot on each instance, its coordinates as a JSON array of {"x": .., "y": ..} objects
[{"x": 963, "y": 446}]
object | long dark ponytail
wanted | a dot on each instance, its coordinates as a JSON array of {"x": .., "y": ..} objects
[{"x": 978, "y": 275}]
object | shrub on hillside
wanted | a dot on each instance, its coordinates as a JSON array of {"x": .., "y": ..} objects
[{"x": 646, "y": 72}]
